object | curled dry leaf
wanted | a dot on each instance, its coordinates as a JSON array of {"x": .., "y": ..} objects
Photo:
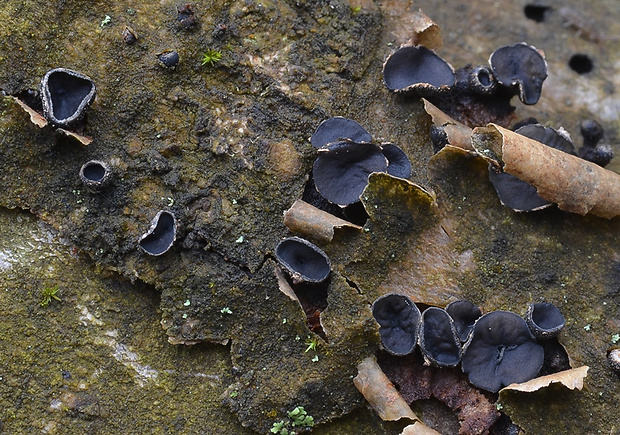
[
  {"x": 576, "y": 185},
  {"x": 380, "y": 392},
  {"x": 458, "y": 135},
  {"x": 418, "y": 428},
  {"x": 571, "y": 379},
  {"x": 426, "y": 32},
  {"x": 35, "y": 117},
  {"x": 306, "y": 219}
]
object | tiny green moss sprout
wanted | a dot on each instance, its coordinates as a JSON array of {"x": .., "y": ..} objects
[
  {"x": 48, "y": 294},
  {"x": 211, "y": 57},
  {"x": 312, "y": 343}
]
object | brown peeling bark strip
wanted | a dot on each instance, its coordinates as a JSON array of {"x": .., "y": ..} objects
[
  {"x": 380, "y": 392},
  {"x": 476, "y": 413},
  {"x": 303, "y": 218},
  {"x": 459, "y": 135},
  {"x": 576, "y": 185}
]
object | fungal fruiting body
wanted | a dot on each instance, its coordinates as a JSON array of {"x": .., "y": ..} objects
[
  {"x": 95, "y": 175},
  {"x": 65, "y": 95},
  {"x": 303, "y": 261},
  {"x": 398, "y": 318},
  {"x": 161, "y": 234},
  {"x": 501, "y": 351}
]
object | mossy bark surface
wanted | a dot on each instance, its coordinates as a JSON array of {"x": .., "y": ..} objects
[{"x": 225, "y": 148}]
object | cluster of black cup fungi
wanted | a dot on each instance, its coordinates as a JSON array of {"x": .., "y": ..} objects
[
  {"x": 495, "y": 349},
  {"x": 518, "y": 69},
  {"x": 346, "y": 156},
  {"x": 62, "y": 100}
]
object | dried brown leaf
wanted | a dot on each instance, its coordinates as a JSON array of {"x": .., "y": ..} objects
[
  {"x": 571, "y": 379},
  {"x": 576, "y": 185},
  {"x": 35, "y": 117},
  {"x": 380, "y": 392},
  {"x": 306, "y": 219}
]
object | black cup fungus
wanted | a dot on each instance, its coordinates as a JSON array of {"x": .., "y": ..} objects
[
  {"x": 65, "y": 96},
  {"x": 399, "y": 164},
  {"x": 336, "y": 129},
  {"x": 303, "y": 261},
  {"x": 168, "y": 59},
  {"x": 95, "y": 175},
  {"x": 464, "y": 314},
  {"x": 439, "y": 340},
  {"x": 501, "y": 351},
  {"x": 341, "y": 170},
  {"x": 161, "y": 234},
  {"x": 417, "y": 70},
  {"x": 398, "y": 318},
  {"x": 520, "y": 65},
  {"x": 544, "y": 320}
]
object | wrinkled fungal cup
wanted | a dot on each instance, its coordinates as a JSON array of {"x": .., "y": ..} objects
[
  {"x": 341, "y": 170},
  {"x": 501, "y": 351},
  {"x": 161, "y": 234},
  {"x": 521, "y": 66},
  {"x": 65, "y": 96},
  {"x": 439, "y": 340},
  {"x": 303, "y": 261},
  {"x": 464, "y": 314},
  {"x": 398, "y": 318}
]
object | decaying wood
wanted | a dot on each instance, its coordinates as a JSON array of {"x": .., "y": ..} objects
[{"x": 574, "y": 184}]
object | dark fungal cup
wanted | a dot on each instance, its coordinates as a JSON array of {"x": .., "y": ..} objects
[
  {"x": 65, "y": 96},
  {"x": 417, "y": 70},
  {"x": 439, "y": 340},
  {"x": 464, "y": 314},
  {"x": 161, "y": 234},
  {"x": 168, "y": 59},
  {"x": 544, "y": 320},
  {"x": 399, "y": 164},
  {"x": 336, "y": 129},
  {"x": 303, "y": 261},
  {"x": 398, "y": 318},
  {"x": 129, "y": 35},
  {"x": 95, "y": 175},
  {"x": 516, "y": 193},
  {"x": 341, "y": 170},
  {"x": 481, "y": 80},
  {"x": 520, "y": 65},
  {"x": 592, "y": 150},
  {"x": 501, "y": 351},
  {"x": 591, "y": 131},
  {"x": 548, "y": 136}
]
